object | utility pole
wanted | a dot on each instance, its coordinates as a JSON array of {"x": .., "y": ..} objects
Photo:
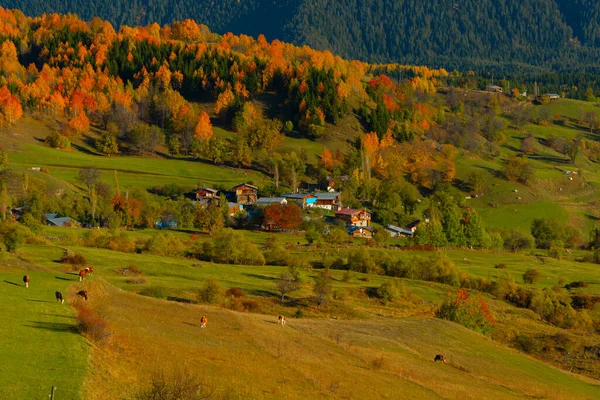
[{"x": 52, "y": 392}]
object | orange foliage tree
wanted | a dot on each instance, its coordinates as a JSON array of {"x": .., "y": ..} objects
[
  {"x": 10, "y": 106},
  {"x": 204, "y": 129},
  {"x": 80, "y": 124}
]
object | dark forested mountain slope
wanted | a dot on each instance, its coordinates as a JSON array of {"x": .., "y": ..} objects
[{"x": 554, "y": 34}]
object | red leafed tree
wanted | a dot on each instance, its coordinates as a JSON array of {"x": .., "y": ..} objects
[{"x": 287, "y": 217}]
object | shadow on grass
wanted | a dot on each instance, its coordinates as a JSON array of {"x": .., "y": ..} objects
[
  {"x": 263, "y": 277},
  {"x": 189, "y": 323},
  {"x": 263, "y": 293},
  {"x": 62, "y": 279},
  {"x": 54, "y": 326},
  {"x": 58, "y": 315},
  {"x": 11, "y": 283},
  {"x": 40, "y": 301}
]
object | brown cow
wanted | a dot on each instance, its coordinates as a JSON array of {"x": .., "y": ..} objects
[
  {"x": 82, "y": 274},
  {"x": 83, "y": 293},
  {"x": 26, "y": 280},
  {"x": 281, "y": 320},
  {"x": 89, "y": 270},
  {"x": 439, "y": 358},
  {"x": 59, "y": 297},
  {"x": 203, "y": 322}
]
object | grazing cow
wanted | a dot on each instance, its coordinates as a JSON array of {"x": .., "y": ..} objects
[
  {"x": 59, "y": 297},
  {"x": 26, "y": 280},
  {"x": 440, "y": 358},
  {"x": 82, "y": 274},
  {"x": 89, "y": 270},
  {"x": 203, "y": 322},
  {"x": 83, "y": 293},
  {"x": 281, "y": 320}
]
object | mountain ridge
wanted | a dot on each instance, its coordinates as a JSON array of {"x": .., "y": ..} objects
[{"x": 554, "y": 34}]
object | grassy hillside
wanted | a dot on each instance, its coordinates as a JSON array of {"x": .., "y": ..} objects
[
  {"x": 394, "y": 356},
  {"x": 40, "y": 346}
]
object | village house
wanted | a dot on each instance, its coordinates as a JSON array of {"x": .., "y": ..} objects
[
  {"x": 494, "y": 88},
  {"x": 267, "y": 201},
  {"x": 332, "y": 184},
  {"x": 360, "y": 231},
  {"x": 245, "y": 194},
  {"x": 396, "y": 231},
  {"x": 328, "y": 201},
  {"x": 413, "y": 226},
  {"x": 234, "y": 208},
  {"x": 207, "y": 194},
  {"x": 353, "y": 217},
  {"x": 553, "y": 96},
  {"x": 302, "y": 199}
]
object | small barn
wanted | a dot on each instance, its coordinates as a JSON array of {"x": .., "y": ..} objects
[
  {"x": 396, "y": 231},
  {"x": 55, "y": 220}
]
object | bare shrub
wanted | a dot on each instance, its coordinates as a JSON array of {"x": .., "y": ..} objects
[
  {"x": 251, "y": 305},
  {"x": 137, "y": 281},
  {"x": 235, "y": 292},
  {"x": 179, "y": 385},
  {"x": 379, "y": 363},
  {"x": 131, "y": 270}
]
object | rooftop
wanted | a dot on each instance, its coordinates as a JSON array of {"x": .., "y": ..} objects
[
  {"x": 297, "y": 195},
  {"x": 270, "y": 200},
  {"x": 326, "y": 195},
  {"x": 245, "y": 184},
  {"x": 397, "y": 229},
  {"x": 348, "y": 211}
]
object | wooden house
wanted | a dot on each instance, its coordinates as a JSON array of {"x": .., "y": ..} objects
[
  {"x": 353, "y": 217},
  {"x": 206, "y": 193},
  {"x": 245, "y": 194},
  {"x": 360, "y": 231},
  {"x": 234, "y": 208},
  {"x": 328, "y": 201},
  {"x": 494, "y": 88}
]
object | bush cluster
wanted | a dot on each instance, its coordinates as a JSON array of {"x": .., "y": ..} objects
[
  {"x": 228, "y": 247},
  {"x": 109, "y": 240},
  {"x": 71, "y": 258},
  {"x": 165, "y": 244},
  {"x": 467, "y": 311},
  {"x": 91, "y": 325}
]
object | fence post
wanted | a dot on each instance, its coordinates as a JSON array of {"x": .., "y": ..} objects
[{"x": 52, "y": 392}]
